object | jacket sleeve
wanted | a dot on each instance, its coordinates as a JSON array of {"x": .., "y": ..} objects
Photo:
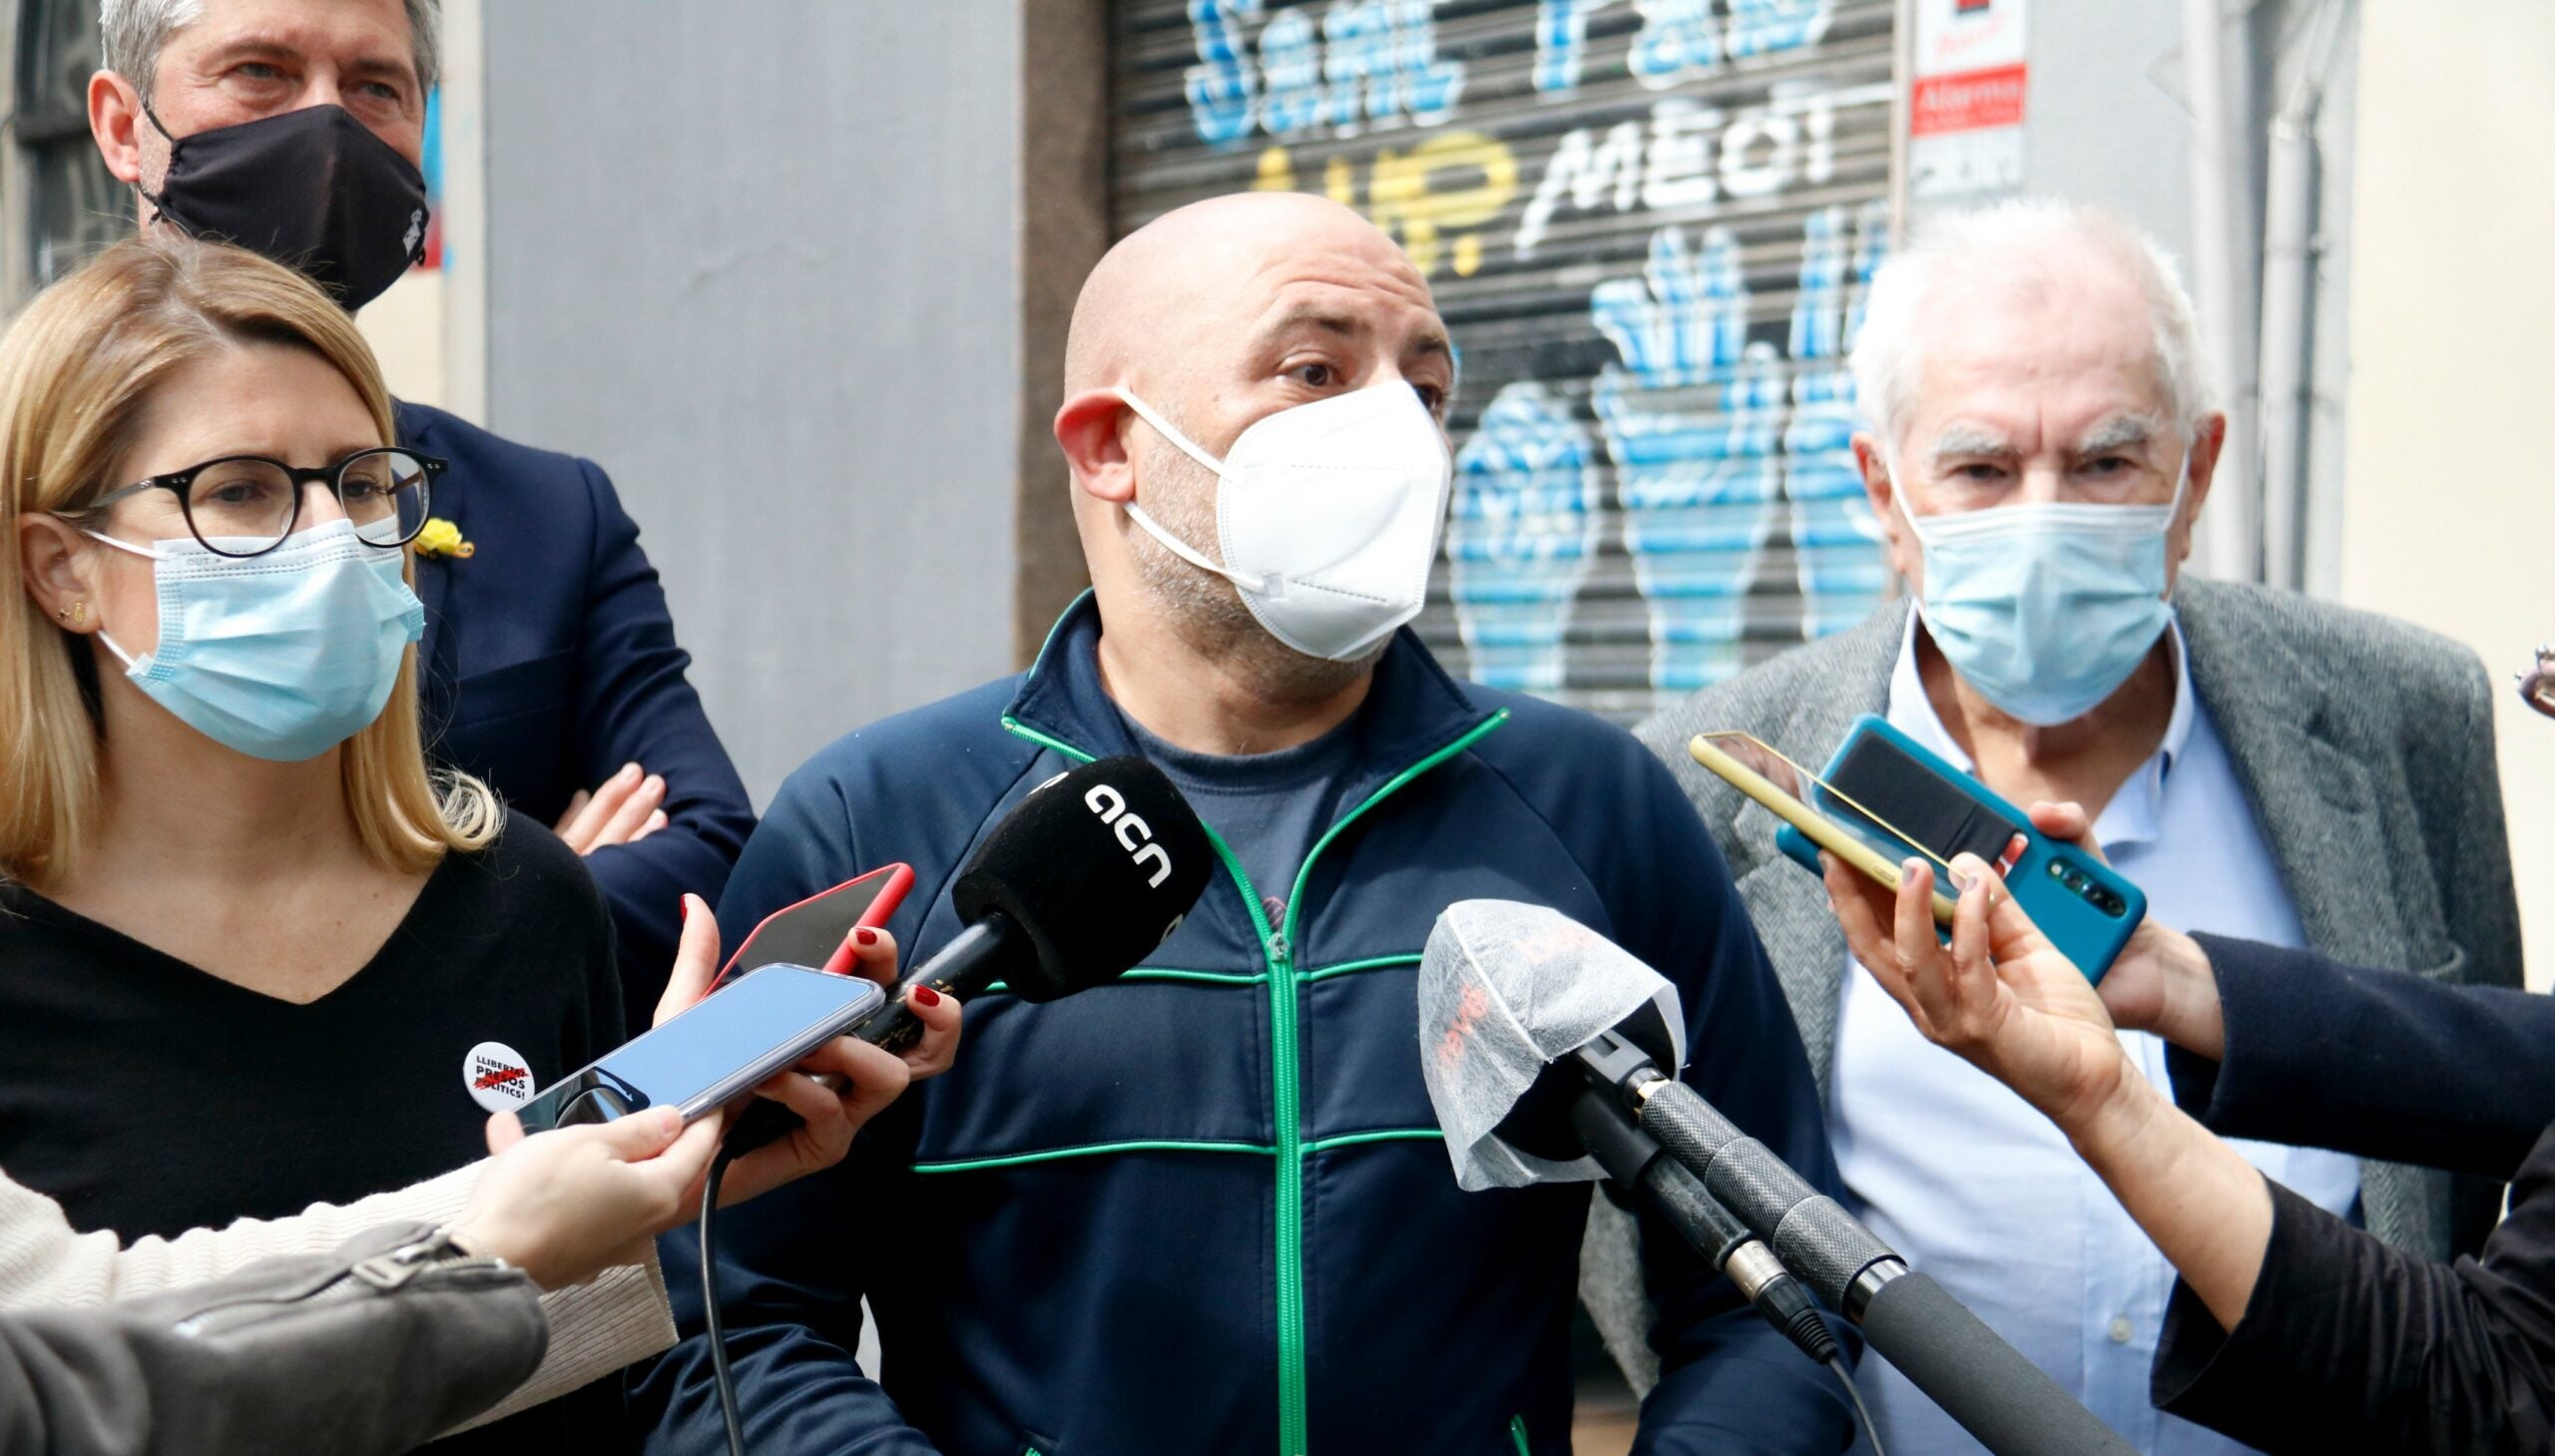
[
  {"x": 596, "y": 1327},
  {"x": 790, "y": 1263},
  {"x": 1728, "y": 1382},
  {"x": 635, "y": 706},
  {"x": 290, "y": 1354},
  {"x": 2378, "y": 1064},
  {"x": 2351, "y": 1345},
  {"x": 2473, "y": 852}
]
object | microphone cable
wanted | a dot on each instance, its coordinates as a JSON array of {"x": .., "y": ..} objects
[
  {"x": 716, "y": 1327},
  {"x": 1846, "y": 1378}
]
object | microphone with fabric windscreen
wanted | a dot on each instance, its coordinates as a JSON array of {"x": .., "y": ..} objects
[{"x": 1530, "y": 1022}]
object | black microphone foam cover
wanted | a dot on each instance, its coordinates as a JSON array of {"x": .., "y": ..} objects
[{"x": 1096, "y": 867}]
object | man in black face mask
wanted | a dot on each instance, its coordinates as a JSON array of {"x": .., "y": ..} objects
[{"x": 549, "y": 665}]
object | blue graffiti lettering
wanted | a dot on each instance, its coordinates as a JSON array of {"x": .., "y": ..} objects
[
  {"x": 1221, "y": 85},
  {"x": 1760, "y": 27},
  {"x": 1291, "y": 63},
  {"x": 1678, "y": 39},
  {"x": 1361, "y": 62},
  {"x": 1561, "y": 41}
]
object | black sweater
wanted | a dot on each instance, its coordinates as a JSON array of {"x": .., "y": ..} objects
[
  {"x": 149, "y": 1096},
  {"x": 2348, "y": 1344}
]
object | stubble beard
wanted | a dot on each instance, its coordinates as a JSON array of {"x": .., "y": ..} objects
[{"x": 1206, "y": 610}]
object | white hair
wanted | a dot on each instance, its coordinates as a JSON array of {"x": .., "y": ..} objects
[
  {"x": 2021, "y": 247},
  {"x": 133, "y": 32}
]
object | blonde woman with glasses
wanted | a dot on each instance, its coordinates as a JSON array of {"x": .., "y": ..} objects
[{"x": 254, "y": 954}]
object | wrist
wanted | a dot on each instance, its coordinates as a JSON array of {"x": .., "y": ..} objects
[
  {"x": 2191, "y": 1016},
  {"x": 2110, "y": 1114}
]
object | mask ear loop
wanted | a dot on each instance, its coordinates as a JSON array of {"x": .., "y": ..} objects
[
  {"x": 146, "y": 554},
  {"x": 1265, "y": 586},
  {"x": 158, "y": 213}
]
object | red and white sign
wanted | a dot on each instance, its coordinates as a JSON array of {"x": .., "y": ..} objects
[
  {"x": 1965, "y": 100},
  {"x": 1968, "y": 102}
]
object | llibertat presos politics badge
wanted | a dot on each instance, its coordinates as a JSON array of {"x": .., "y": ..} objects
[{"x": 498, "y": 1077}]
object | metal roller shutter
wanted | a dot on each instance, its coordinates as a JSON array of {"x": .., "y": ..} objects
[{"x": 1647, "y": 224}]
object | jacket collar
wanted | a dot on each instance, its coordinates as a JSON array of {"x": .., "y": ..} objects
[
  {"x": 436, "y": 667},
  {"x": 1414, "y": 709}
]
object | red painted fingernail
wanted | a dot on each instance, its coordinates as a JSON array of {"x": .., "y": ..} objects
[
  {"x": 865, "y": 935},
  {"x": 924, "y": 997},
  {"x": 686, "y": 909}
]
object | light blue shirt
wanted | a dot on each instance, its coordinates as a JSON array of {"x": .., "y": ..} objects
[{"x": 1984, "y": 1194}]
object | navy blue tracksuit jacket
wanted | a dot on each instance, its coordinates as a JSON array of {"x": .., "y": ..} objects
[{"x": 1207, "y": 1208}]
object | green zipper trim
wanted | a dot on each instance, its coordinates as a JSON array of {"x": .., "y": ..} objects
[
  {"x": 1014, "y": 725},
  {"x": 1516, "y": 1432},
  {"x": 1141, "y": 973},
  {"x": 1350, "y": 968},
  {"x": 1093, "y": 1150},
  {"x": 1285, "y": 1091},
  {"x": 1293, "y": 1420},
  {"x": 1385, "y": 1134}
]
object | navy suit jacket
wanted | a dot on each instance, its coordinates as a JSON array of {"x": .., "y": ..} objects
[{"x": 549, "y": 661}]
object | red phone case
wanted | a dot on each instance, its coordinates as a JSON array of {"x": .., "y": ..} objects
[{"x": 817, "y": 930}]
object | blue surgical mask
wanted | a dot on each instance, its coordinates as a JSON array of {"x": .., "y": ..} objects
[
  {"x": 283, "y": 656},
  {"x": 2046, "y": 608}
]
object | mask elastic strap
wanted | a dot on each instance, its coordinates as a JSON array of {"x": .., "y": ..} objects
[
  {"x": 158, "y": 213},
  {"x": 1165, "y": 428},
  {"x": 103, "y": 539},
  {"x": 126, "y": 657},
  {"x": 1267, "y": 586}
]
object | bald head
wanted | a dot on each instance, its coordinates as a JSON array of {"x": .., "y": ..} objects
[
  {"x": 1176, "y": 284},
  {"x": 1219, "y": 315}
]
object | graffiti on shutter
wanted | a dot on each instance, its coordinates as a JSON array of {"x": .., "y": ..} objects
[{"x": 1647, "y": 224}]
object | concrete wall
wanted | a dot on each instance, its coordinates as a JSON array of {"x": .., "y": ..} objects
[
  {"x": 2449, "y": 521},
  {"x": 762, "y": 262}
]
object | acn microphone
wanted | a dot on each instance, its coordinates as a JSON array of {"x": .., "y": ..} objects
[
  {"x": 1092, "y": 871},
  {"x": 1523, "y": 1010}
]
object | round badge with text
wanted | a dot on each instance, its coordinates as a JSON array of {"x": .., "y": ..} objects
[{"x": 498, "y": 1077}]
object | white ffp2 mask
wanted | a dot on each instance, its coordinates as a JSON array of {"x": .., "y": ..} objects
[{"x": 1327, "y": 516}]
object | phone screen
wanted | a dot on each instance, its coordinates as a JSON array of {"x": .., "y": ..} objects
[
  {"x": 739, "y": 1027},
  {"x": 1925, "y": 806}
]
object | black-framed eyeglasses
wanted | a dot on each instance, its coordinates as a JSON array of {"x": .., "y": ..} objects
[
  {"x": 2537, "y": 685},
  {"x": 247, "y": 505}
]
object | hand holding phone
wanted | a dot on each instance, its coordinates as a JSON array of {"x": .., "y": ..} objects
[
  {"x": 729, "y": 1042},
  {"x": 1884, "y": 798}
]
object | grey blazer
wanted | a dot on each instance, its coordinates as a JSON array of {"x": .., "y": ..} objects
[{"x": 2364, "y": 744}]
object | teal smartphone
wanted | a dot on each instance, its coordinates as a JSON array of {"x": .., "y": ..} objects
[{"x": 2085, "y": 907}]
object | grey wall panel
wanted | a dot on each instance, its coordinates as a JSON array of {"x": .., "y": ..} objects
[
  {"x": 762, "y": 262},
  {"x": 1647, "y": 227}
]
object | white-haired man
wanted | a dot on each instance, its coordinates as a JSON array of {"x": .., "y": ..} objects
[
  {"x": 549, "y": 666},
  {"x": 2040, "y": 439}
]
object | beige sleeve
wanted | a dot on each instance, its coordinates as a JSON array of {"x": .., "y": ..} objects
[{"x": 595, "y": 1328}]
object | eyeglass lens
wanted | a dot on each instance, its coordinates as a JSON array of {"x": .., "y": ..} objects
[{"x": 241, "y": 507}]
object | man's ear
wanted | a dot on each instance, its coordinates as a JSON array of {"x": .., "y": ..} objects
[
  {"x": 1091, "y": 428},
  {"x": 2208, "y": 443},
  {"x": 49, "y": 558},
  {"x": 116, "y": 122},
  {"x": 1881, "y": 490}
]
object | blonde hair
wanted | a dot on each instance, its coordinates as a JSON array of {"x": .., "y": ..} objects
[{"x": 77, "y": 370}]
